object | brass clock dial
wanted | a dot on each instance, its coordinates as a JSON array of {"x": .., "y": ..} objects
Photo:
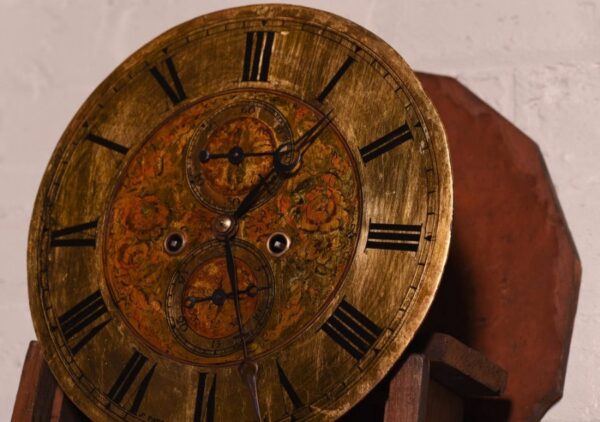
[{"x": 246, "y": 220}]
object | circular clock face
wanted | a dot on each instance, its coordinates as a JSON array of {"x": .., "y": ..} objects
[{"x": 247, "y": 220}]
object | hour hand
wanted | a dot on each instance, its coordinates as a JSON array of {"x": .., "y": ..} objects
[
  {"x": 254, "y": 194},
  {"x": 286, "y": 160}
]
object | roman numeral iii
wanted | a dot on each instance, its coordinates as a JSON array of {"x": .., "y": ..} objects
[
  {"x": 82, "y": 316},
  {"x": 127, "y": 377},
  {"x": 175, "y": 92},
  {"x": 351, "y": 330},
  {"x": 206, "y": 407},
  {"x": 398, "y": 237},
  {"x": 386, "y": 143},
  {"x": 57, "y": 237},
  {"x": 257, "y": 56}
]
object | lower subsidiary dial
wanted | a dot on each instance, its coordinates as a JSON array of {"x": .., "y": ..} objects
[{"x": 200, "y": 304}]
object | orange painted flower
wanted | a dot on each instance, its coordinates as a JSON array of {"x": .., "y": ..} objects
[
  {"x": 322, "y": 207},
  {"x": 132, "y": 256},
  {"x": 260, "y": 224},
  {"x": 145, "y": 214}
]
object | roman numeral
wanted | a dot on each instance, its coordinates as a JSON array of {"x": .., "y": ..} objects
[
  {"x": 338, "y": 75},
  {"x": 56, "y": 237},
  {"x": 209, "y": 409},
  {"x": 126, "y": 379},
  {"x": 289, "y": 390},
  {"x": 106, "y": 143},
  {"x": 257, "y": 56},
  {"x": 80, "y": 317},
  {"x": 398, "y": 237},
  {"x": 352, "y": 330},
  {"x": 176, "y": 93},
  {"x": 386, "y": 143}
]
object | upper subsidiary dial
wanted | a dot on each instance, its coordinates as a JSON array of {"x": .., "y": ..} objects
[{"x": 231, "y": 150}]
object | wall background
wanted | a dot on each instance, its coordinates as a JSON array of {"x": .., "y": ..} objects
[{"x": 537, "y": 62}]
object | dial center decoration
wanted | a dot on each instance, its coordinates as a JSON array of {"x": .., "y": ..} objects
[
  {"x": 201, "y": 304},
  {"x": 186, "y": 179}
]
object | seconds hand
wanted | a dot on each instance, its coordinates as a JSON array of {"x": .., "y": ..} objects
[
  {"x": 248, "y": 369},
  {"x": 234, "y": 288}
]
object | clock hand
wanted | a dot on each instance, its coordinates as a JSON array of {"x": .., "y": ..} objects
[
  {"x": 248, "y": 369},
  {"x": 219, "y": 296},
  {"x": 301, "y": 145},
  {"x": 254, "y": 194},
  {"x": 234, "y": 288},
  {"x": 235, "y": 155},
  {"x": 313, "y": 133},
  {"x": 280, "y": 167}
]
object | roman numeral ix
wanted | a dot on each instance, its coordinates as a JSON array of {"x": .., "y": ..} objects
[
  {"x": 175, "y": 93},
  {"x": 398, "y": 237},
  {"x": 81, "y": 316},
  {"x": 351, "y": 330},
  {"x": 338, "y": 75},
  {"x": 126, "y": 379},
  {"x": 57, "y": 236},
  {"x": 206, "y": 407},
  {"x": 386, "y": 143},
  {"x": 257, "y": 56}
]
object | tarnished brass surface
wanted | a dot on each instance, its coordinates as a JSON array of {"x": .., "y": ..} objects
[
  {"x": 318, "y": 208},
  {"x": 135, "y": 331}
]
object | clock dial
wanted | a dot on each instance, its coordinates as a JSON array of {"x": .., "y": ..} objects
[{"x": 247, "y": 220}]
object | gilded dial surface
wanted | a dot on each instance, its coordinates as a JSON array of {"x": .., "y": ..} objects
[{"x": 247, "y": 220}]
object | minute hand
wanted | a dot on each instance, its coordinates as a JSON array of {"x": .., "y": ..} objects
[
  {"x": 301, "y": 145},
  {"x": 283, "y": 169}
]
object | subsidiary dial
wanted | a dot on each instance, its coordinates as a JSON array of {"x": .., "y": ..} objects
[
  {"x": 200, "y": 303},
  {"x": 232, "y": 149}
]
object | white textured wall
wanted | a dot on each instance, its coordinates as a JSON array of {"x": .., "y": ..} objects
[{"x": 536, "y": 61}]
